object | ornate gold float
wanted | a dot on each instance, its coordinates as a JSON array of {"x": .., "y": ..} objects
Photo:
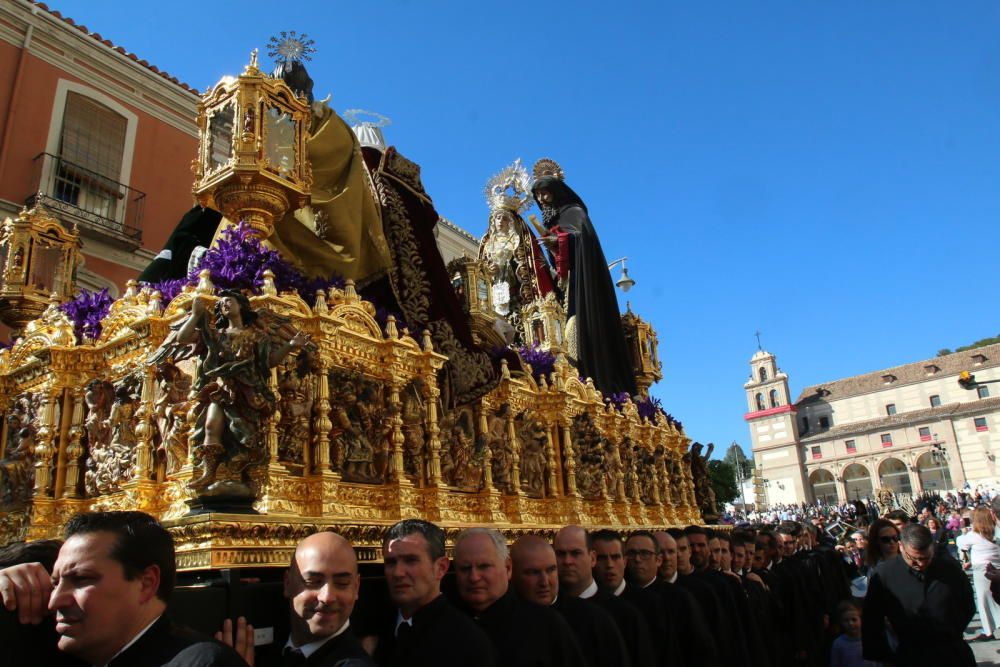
[{"x": 358, "y": 436}]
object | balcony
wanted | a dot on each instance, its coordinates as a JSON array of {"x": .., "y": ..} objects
[{"x": 101, "y": 207}]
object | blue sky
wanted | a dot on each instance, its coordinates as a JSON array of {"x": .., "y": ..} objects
[{"x": 825, "y": 172}]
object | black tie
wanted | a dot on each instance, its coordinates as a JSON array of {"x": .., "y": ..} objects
[
  {"x": 404, "y": 631},
  {"x": 292, "y": 657}
]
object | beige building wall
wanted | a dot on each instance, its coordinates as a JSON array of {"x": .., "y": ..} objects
[
  {"x": 911, "y": 428},
  {"x": 454, "y": 242}
]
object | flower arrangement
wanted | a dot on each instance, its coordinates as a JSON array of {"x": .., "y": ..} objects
[
  {"x": 649, "y": 406},
  {"x": 238, "y": 260},
  {"x": 542, "y": 362},
  {"x": 168, "y": 289},
  {"x": 618, "y": 400},
  {"x": 86, "y": 310}
]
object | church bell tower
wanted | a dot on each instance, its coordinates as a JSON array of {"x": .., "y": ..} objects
[{"x": 774, "y": 433}]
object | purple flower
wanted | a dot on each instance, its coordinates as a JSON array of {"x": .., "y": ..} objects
[
  {"x": 238, "y": 261},
  {"x": 618, "y": 400},
  {"x": 168, "y": 289},
  {"x": 86, "y": 310},
  {"x": 542, "y": 362},
  {"x": 649, "y": 406}
]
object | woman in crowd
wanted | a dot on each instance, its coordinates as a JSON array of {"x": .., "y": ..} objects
[
  {"x": 982, "y": 551},
  {"x": 883, "y": 544},
  {"x": 941, "y": 535}
]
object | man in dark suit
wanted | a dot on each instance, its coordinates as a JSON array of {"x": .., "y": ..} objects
[
  {"x": 109, "y": 590},
  {"x": 322, "y": 587},
  {"x": 693, "y": 634},
  {"x": 535, "y": 576},
  {"x": 575, "y": 558},
  {"x": 923, "y": 602},
  {"x": 710, "y": 588},
  {"x": 524, "y": 634},
  {"x": 425, "y": 628}
]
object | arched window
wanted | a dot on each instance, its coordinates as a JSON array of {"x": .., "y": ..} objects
[
  {"x": 760, "y": 402},
  {"x": 774, "y": 398},
  {"x": 763, "y": 374}
]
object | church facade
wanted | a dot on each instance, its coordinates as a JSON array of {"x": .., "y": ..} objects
[{"x": 909, "y": 429}]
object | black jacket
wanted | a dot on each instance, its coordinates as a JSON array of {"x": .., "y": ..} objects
[
  {"x": 166, "y": 645},
  {"x": 440, "y": 635},
  {"x": 928, "y": 614}
]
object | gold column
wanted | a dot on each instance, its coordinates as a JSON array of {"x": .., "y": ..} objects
[
  {"x": 74, "y": 449},
  {"x": 321, "y": 423},
  {"x": 431, "y": 394},
  {"x": 487, "y": 452},
  {"x": 271, "y": 437},
  {"x": 515, "y": 448},
  {"x": 550, "y": 451},
  {"x": 569, "y": 460},
  {"x": 397, "y": 470},
  {"x": 44, "y": 444},
  {"x": 144, "y": 426},
  {"x": 61, "y": 442}
]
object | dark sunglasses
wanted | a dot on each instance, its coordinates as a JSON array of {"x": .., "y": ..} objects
[{"x": 888, "y": 539}]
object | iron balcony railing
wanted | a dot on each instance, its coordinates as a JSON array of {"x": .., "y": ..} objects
[{"x": 93, "y": 201}]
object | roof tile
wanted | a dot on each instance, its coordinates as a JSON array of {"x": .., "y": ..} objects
[{"x": 107, "y": 42}]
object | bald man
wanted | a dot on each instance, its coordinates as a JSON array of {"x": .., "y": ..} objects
[
  {"x": 322, "y": 586},
  {"x": 536, "y": 579},
  {"x": 524, "y": 634},
  {"x": 575, "y": 559}
]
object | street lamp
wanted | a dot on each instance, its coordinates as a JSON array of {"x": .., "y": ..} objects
[{"x": 624, "y": 281}]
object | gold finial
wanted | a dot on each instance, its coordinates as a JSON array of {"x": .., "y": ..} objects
[
  {"x": 155, "y": 308},
  {"x": 390, "y": 328},
  {"x": 428, "y": 342},
  {"x": 320, "y": 308},
  {"x": 252, "y": 67},
  {"x": 205, "y": 285},
  {"x": 269, "y": 289}
]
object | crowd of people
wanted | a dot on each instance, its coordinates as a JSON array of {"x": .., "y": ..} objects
[{"x": 758, "y": 595}]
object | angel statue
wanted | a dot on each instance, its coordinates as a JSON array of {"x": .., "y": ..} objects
[{"x": 237, "y": 350}]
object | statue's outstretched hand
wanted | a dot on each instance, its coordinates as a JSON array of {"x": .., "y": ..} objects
[
  {"x": 198, "y": 306},
  {"x": 299, "y": 340}
]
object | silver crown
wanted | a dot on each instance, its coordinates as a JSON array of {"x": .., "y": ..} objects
[
  {"x": 510, "y": 189},
  {"x": 291, "y": 47}
]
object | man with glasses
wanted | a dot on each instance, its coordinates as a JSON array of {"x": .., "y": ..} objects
[
  {"x": 609, "y": 572},
  {"x": 576, "y": 558},
  {"x": 924, "y": 603}
]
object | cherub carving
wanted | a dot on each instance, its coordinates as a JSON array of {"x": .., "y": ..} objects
[{"x": 237, "y": 348}]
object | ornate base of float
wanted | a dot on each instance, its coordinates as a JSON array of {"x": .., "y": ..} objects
[
  {"x": 212, "y": 539},
  {"x": 356, "y": 442}
]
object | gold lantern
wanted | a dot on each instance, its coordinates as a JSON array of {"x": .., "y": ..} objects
[
  {"x": 543, "y": 324},
  {"x": 252, "y": 163},
  {"x": 471, "y": 280},
  {"x": 38, "y": 260},
  {"x": 643, "y": 350}
]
